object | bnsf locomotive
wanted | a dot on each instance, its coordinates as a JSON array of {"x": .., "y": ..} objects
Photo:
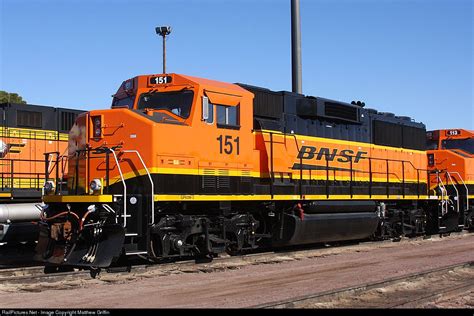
[
  {"x": 451, "y": 161},
  {"x": 184, "y": 166},
  {"x": 30, "y": 135}
]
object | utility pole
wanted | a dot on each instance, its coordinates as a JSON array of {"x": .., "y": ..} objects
[
  {"x": 296, "y": 47},
  {"x": 163, "y": 31}
]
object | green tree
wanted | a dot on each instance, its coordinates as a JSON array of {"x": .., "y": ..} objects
[{"x": 6, "y": 97}]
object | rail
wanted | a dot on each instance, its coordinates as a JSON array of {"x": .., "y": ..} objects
[
  {"x": 58, "y": 165},
  {"x": 151, "y": 182},
  {"x": 444, "y": 205},
  {"x": 124, "y": 188},
  {"x": 455, "y": 189},
  {"x": 61, "y": 161},
  {"x": 465, "y": 186},
  {"x": 27, "y": 177},
  {"x": 388, "y": 174},
  {"x": 354, "y": 291}
]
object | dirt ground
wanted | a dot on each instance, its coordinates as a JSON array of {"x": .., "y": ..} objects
[
  {"x": 434, "y": 290},
  {"x": 246, "y": 282}
]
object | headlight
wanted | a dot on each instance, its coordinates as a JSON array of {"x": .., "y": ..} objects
[
  {"x": 49, "y": 187},
  {"x": 97, "y": 126},
  {"x": 95, "y": 185}
]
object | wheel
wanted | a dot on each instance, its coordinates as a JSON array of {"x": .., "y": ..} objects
[
  {"x": 50, "y": 269},
  {"x": 94, "y": 272},
  {"x": 203, "y": 258}
]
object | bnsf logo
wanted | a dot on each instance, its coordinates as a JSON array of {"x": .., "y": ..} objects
[{"x": 345, "y": 155}]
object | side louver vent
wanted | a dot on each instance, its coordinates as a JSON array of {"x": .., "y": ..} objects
[{"x": 341, "y": 111}]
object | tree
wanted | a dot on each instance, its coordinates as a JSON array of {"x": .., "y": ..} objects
[{"x": 6, "y": 97}]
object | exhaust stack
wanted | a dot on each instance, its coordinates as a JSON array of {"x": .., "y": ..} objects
[{"x": 296, "y": 46}]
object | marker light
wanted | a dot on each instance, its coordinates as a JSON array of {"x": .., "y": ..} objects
[
  {"x": 95, "y": 185},
  {"x": 49, "y": 187}
]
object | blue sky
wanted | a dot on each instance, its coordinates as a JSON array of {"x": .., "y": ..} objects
[{"x": 409, "y": 57}]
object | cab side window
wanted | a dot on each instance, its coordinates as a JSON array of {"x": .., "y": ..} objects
[
  {"x": 210, "y": 118},
  {"x": 227, "y": 116}
]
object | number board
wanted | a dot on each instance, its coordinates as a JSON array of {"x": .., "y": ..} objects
[
  {"x": 160, "y": 80},
  {"x": 453, "y": 132}
]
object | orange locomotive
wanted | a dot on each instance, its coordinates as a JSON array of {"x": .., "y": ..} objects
[
  {"x": 188, "y": 166},
  {"x": 30, "y": 135},
  {"x": 451, "y": 161}
]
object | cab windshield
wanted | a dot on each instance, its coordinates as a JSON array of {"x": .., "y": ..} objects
[
  {"x": 177, "y": 102},
  {"x": 431, "y": 144},
  {"x": 127, "y": 101},
  {"x": 466, "y": 145}
]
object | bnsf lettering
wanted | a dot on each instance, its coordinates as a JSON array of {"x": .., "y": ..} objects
[{"x": 346, "y": 155}]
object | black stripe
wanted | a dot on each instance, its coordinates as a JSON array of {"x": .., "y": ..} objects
[{"x": 222, "y": 185}]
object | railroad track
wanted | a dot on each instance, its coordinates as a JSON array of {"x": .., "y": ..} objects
[
  {"x": 307, "y": 300},
  {"x": 21, "y": 273},
  {"x": 36, "y": 273},
  {"x": 16, "y": 255},
  {"x": 450, "y": 291}
]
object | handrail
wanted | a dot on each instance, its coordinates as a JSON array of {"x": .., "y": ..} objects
[
  {"x": 63, "y": 168},
  {"x": 465, "y": 186},
  {"x": 151, "y": 182},
  {"x": 338, "y": 155},
  {"x": 400, "y": 178},
  {"x": 50, "y": 155},
  {"x": 124, "y": 188},
  {"x": 26, "y": 180},
  {"x": 455, "y": 189},
  {"x": 61, "y": 157},
  {"x": 443, "y": 192}
]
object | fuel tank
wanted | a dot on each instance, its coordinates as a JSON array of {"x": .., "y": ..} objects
[
  {"x": 328, "y": 221},
  {"x": 325, "y": 207}
]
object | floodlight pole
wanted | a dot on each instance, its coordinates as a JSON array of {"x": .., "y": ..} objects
[
  {"x": 163, "y": 31},
  {"x": 296, "y": 46},
  {"x": 164, "y": 53}
]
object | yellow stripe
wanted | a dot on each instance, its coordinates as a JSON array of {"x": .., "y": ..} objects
[
  {"x": 460, "y": 183},
  {"x": 78, "y": 198},
  {"x": 5, "y": 195},
  {"x": 198, "y": 197},
  {"x": 24, "y": 183},
  {"x": 28, "y": 133},
  {"x": 338, "y": 141}
]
